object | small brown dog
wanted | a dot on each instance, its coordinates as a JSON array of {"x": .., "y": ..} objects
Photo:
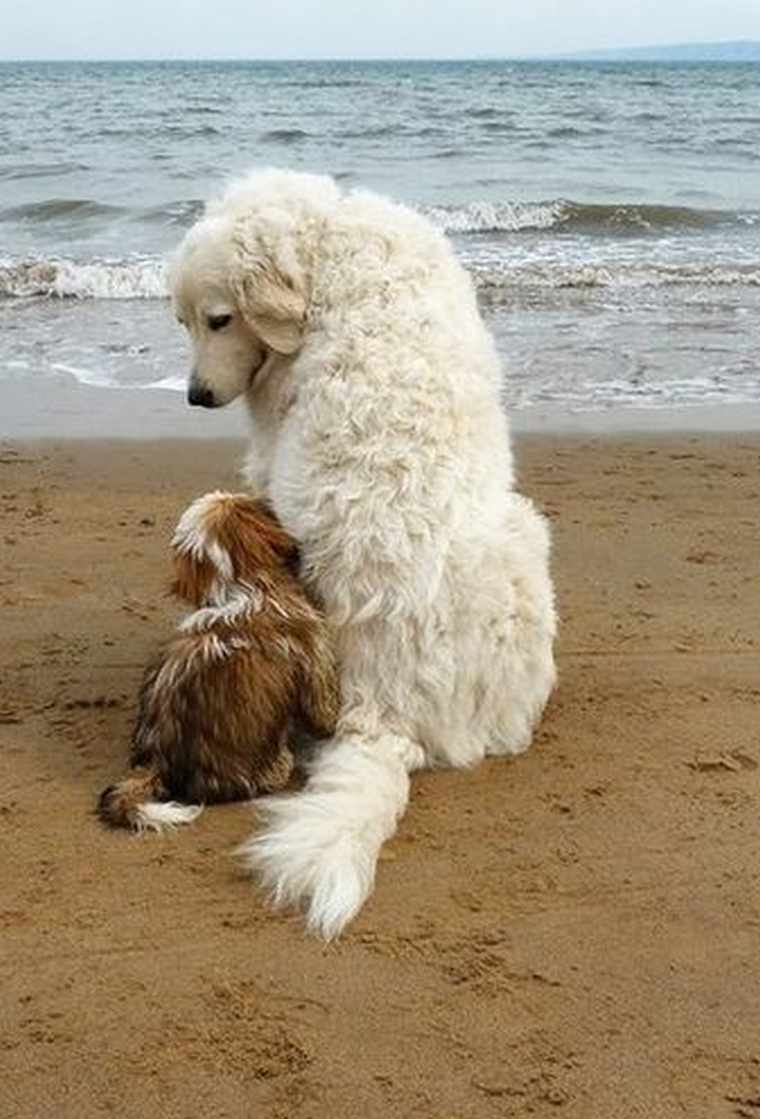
[{"x": 253, "y": 662}]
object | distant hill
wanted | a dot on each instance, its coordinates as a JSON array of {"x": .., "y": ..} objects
[{"x": 740, "y": 51}]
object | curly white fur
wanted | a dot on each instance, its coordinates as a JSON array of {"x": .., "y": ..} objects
[{"x": 381, "y": 443}]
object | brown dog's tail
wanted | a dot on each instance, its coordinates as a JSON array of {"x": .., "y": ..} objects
[{"x": 137, "y": 802}]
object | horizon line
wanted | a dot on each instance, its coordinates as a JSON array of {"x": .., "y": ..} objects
[{"x": 529, "y": 57}]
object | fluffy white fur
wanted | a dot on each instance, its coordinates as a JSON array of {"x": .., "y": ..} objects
[
  {"x": 333, "y": 866},
  {"x": 379, "y": 439}
]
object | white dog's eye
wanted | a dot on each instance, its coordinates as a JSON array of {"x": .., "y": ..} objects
[{"x": 217, "y": 322}]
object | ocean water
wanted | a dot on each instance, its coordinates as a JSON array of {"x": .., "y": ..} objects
[{"x": 608, "y": 212}]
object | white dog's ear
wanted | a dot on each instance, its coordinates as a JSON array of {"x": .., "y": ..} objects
[{"x": 269, "y": 286}]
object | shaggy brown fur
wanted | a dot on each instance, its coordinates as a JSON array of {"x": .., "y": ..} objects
[{"x": 252, "y": 663}]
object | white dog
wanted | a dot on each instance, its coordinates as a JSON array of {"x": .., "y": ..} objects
[{"x": 380, "y": 442}]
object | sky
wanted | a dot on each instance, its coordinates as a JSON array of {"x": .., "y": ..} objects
[{"x": 109, "y": 29}]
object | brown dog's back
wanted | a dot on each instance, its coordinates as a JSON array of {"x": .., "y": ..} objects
[{"x": 217, "y": 707}]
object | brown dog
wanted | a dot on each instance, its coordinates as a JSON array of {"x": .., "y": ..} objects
[{"x": 253, "y": 662}]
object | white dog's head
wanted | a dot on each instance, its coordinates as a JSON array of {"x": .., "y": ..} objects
[{"x": 241, "y": 279}]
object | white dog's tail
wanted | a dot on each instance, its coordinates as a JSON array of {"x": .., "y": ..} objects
[{"x": 319, "y": 848}]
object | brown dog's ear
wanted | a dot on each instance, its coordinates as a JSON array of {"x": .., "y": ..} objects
[
  {"x": 282, "y": 543},
  {"x": 254, "y": 540},
  {"x": 192, "y": 578},
  {"x": 269, "y": 284}
]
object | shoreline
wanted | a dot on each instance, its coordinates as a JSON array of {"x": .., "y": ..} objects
[{"x": 69, "y": 410}]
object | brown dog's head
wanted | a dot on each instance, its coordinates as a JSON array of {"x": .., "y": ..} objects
[{"x": 225, "y": 538}]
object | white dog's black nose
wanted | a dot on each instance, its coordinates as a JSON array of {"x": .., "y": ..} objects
[{"x": 196, "y": 394}]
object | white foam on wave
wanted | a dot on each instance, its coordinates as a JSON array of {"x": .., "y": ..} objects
[
  {"x": 493, "y": 279},
  {"x": 496, "y": 217},
  {"x": 86, "y": 376},
  {"x": 172, "y": 383},
  {"x": 97, "y": 279},
  {"x": 100, "y": 380},
  {"x": 145, "y": 279}
]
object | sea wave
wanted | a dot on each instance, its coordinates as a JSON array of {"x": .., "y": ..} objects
[
  {"x": 146, "y": 279},
  {"x": 284, "y": 135},
  {"x": 496, "y": 282},
  {"x": 132, "y": 279},
  {"x": 182, "y": 213},
  {"x": 325, "y": 83},
  {"x": 476, "y": 217},
  {"x": 39, "y": 170},
  {"x": 511, "y": 217},
  {"x": 497, "y": 272},
  {"x": 55, "y": 209},
  {"x": 495, "y": 217}
]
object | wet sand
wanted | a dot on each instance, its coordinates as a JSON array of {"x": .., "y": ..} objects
[{"x": 573, "y": 933}]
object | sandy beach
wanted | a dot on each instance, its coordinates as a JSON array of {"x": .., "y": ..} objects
[{"x": 572, "y": 933}]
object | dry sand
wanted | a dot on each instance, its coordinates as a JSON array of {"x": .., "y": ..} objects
[{"x": 574, "y": 933}]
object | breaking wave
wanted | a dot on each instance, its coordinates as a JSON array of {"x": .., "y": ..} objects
[
  {"x": 147, "y": 279},
  {"x": 134, "y": 279},
  {"x": 486, "y": 234},
  {"x": 495, "y": 217},
  {"x": 477, "y": 217},
  {"x": 511, "y": 217},
  {"x": 495, "y": 282}
]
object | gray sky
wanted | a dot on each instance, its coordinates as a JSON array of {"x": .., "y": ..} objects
[{"x": 359, "y": 28}]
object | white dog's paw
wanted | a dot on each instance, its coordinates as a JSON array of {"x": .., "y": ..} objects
[{"x": 411, "y": 754}]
